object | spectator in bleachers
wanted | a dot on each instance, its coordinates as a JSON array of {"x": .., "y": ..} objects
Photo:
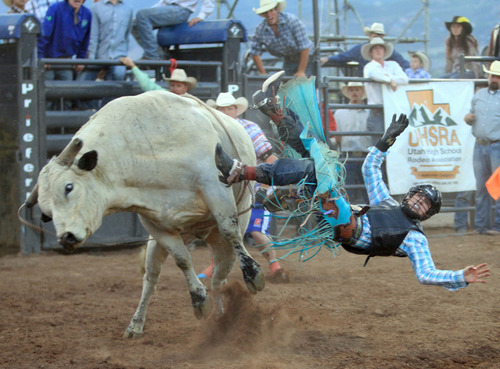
[
  {"x": 420, "y": 65},
  {"x": 353, "y": 120},
  {"x": 354, "y": 54},
  {"x": 283, "y": 35},
  {"x": 381, "y": 71},
  {"x": 166, "y": 13},
  {"x": 39, "y": 7},
  {"x": 65, "y": 34},
  {"x": 109, "y": 36},
  {"x": 178, "y": 83},
  {"x": 460, "y": 41},
  {"x": 16, "y": 6},
  {"x": 109, "y": 40}
]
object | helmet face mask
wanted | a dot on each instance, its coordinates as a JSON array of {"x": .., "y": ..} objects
[{"x": 413, "y": 200}]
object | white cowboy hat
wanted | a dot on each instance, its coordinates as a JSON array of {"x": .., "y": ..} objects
[
  {"x": 426, "y": 62},
  {"x": 179, "y": 75},
  {"x": 365, "y": 49},
  {"x": 344, "y": 88},
  {"x": 266, "y": 5},
  {"x": 377, "y": 28},
  {"x": 494, "y": 68},
  {"x": 226, "y": 99}
]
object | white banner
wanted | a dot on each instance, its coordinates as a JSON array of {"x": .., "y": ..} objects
[{"x": 437, "y": 146}]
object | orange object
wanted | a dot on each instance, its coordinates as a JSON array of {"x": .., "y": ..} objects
[{"x": 493, "y": 184}]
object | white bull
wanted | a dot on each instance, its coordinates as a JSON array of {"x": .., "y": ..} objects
[{"x": 153, "y": 154}]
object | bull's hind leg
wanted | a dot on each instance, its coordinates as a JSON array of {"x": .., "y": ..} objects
[
  {"x": 155, "y": 256},
  {"x": 174, "y": 244},
  {"x": 230, "y": 228}
]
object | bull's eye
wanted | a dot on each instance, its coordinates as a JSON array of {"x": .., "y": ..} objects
[{"x": 68, "y": 189}]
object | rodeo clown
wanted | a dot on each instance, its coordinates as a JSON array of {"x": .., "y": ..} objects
[{"x": 385, "y": 227}]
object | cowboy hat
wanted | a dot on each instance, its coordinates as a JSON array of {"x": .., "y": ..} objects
[
  {"x": 426, "y": 62},
  {"x": 365, "y": 49},
  {"x": 494, "y": 68},
  {"x": 226, "y": 99},
  {"x": 266, "y": 5},
  {"x": 8, "y": 2},
  {"x": 179, "y": 75},
  {"x": 345, "y": 88},
  {"x": 377, "y": 28},
  {"x": 464, "y": 22}
]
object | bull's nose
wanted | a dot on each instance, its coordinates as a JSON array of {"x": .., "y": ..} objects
[{"x": 68, "y": 241}]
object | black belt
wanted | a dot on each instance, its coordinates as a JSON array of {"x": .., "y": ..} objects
[{"x": 485, "y": 142}]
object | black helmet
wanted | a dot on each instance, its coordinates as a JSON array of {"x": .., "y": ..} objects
[{"x": 428, "y": 191}]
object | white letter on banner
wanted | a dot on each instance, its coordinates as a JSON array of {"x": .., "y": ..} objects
[
  {"x": 28, "y": 181},
  {"x": 27, "y": 153},
  {"x": 28, "y": 121},
  {"x": 27, "y": 103},
  {"x": 26, "y": 87},
  {"x": 232, "y": 88},
  {"x": 29, "y": 168},
  {"x": 28, "y": 137}
]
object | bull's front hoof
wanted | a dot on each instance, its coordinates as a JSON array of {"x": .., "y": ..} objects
[{"x": 255, "y": 284}]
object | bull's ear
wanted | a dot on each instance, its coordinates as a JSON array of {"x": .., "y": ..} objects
[{"x": 88, "y": 161}]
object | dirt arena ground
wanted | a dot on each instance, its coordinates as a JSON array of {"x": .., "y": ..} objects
[{"x": 70, "y": 311}]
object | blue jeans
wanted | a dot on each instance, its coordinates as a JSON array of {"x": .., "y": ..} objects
[
  {"x": 462, "y": 200},
  {"x": 149, "y": 19},
  {"x": 288, "y": 171},
  {"x": 114, "y": 73},
  {"x": 290, "y": 67},
  {"x": 486, "y": 160},
  {"x": 59, "y": 75}
]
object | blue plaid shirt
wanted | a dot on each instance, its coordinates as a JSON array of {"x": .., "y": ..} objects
[
  {"x": 291, "y": 40},
  {"x": 418, "y": 74},
  {"x": 415, "y": 244}
]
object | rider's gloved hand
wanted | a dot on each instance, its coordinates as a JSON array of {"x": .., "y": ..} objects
[{"x": 397, "y": 126}]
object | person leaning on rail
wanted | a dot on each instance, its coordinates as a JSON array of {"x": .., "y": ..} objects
[
  {"x": 179, "y": 82},
  {"x": 385, "y": 227}
]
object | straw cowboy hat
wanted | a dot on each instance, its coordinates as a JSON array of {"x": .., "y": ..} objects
[
  {"x": 377, "y": 28},
  {"x": 494, "y": 68},
  {"x": 423, "y": 58},
  {"x": 365, "y": 49},
  {"x": 266, "y": 5},
  {"x": 464, "y": 22},
  {"x": 8, "y": 2},
  {"x": 345, "y": 88},
  {"x": 226, "y": 99},
  {"x": 179, "y": 75}
]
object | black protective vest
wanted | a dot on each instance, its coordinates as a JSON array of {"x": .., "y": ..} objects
[{"x": 389, "y": 227}]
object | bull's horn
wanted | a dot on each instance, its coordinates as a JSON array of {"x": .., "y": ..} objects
[
  {"x": 69, "y": 153},
  {"x": 32, "y": 198}
]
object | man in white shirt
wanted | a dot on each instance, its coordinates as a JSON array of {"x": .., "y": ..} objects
[
  {"x": 166, "y": 13},
  {"x": 381, "y": 71}
]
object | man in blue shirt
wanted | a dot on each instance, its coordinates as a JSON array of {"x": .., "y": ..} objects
[
  {"x": 65, "y": 34},
  {"x": 354, "y": 54},
  {"x": 282, "y": 35},
  {"x": 384, "y": 228}
]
